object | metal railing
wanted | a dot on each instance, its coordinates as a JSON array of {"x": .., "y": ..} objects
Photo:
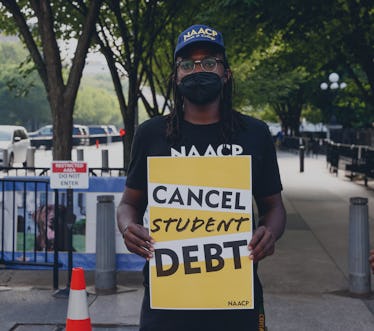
[
  {"x": 35, "y": 222},
  {"x": 42, "y": 171},
  {"x": 28, "y": 218},
  {"x": 355, "y": 160}
]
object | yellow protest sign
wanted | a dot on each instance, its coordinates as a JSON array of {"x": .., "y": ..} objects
[{"x": 200, "y": 215}]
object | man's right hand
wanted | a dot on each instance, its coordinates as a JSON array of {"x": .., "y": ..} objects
[
  {"x": 129, "y": 214},
  {"x": 138, "y": 241}
]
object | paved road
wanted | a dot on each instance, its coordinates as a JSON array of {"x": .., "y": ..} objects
[{"x": 92, "y": 155}]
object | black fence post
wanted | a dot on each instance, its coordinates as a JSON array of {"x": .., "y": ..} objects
[
  {"x": 301, "y": 157},
  {"x": 69, "y": 224},
  {"x": 80, "y": 154},
  {"x": 105, "y": 158},
  {"x": 56, "y": 221}
]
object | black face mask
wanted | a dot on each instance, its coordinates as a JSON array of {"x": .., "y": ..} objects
[{"x": 200, "y": 87}]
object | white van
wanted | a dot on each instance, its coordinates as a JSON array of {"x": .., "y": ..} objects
[{"x": 15, "y": 141}]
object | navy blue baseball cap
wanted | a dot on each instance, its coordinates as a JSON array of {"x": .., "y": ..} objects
[{"x": 199, "y": 34}]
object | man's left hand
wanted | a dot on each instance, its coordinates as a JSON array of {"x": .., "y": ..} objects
[{"x": 262, "y": 244}]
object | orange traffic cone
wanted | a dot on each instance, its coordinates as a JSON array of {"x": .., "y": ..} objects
[
  {"x": 97, "y": 143},
  {"x": 78, "y": 319}
]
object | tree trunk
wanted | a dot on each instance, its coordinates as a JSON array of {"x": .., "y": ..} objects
[
  {"x": 129, "y": 123},
  {"x": 61, "y": 97},
  {"x": 129, "y": 119},
  {"x": 62, "y": 121}
]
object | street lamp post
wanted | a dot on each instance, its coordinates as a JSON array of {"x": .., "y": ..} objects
[{"x": 334, "y": 85}]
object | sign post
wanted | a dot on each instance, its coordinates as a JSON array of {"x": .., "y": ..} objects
[{"x": 69, "y": 175}]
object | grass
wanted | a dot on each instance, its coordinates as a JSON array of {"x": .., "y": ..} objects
[{"x": 78, "y": 242}]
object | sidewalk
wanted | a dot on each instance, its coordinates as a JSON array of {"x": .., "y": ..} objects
[{"x": 305, "y": 282}]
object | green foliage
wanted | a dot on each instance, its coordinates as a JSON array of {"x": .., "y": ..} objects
[
  {"x": 79, "y": 227},
  {"x": 29, "y": 242},
  {"x": 41, "y": 27},
  {"x": 269, "y": 78},
  {"x": 79, "y": 242},
  {"x": 328, "y": 36},
  {"x": 268, "y": 83},
  {"x": 271, "y": 42},
  {"x": 265, "y": 113},
  {"x": 280, "y": 52},
  {"x": 23, "y": 99},
  {"x": 312, "y": 114},
  {"x": 96, "y": 104},
  {"x": 6, "y": 24}
]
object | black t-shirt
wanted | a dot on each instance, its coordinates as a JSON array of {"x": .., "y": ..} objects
[{"x": 205, "y": 140}]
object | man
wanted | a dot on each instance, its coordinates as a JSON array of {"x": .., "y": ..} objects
[
  {"x": 202, "y": 120},
  {"x": 371, "y": 260}
]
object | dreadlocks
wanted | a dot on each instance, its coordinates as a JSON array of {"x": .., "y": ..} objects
[{"x": 230, "y": 120}]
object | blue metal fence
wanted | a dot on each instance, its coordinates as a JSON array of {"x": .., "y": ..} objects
[{"x": 26, "y": 228}]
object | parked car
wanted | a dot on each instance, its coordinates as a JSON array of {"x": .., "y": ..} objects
[
  {"x": 98, "y": 134},
  {"x": 114, "y": 133},
  {"x": 112, "y": 130},
  {"x": 80, "y": 135},
  {"x": 15, "y": 141},
  {"x": 43, "y": 136},
  {"x": 98, "y": 129}
]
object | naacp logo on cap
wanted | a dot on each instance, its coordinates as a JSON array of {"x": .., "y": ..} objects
[{"x": 199, "y": 33}]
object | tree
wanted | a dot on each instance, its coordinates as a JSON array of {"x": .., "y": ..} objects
[
  {"x": 157, "y": 66},
  {"x": 41, "y": 39},
  {"x": 96, "y": 106},
  {"x": 328, "y": 36},
  {"x": 126, "y": 36},
  {"x": 23, "y": 100},
  {"x": 272, "y": 77},
  {"x": 316, "y": 35}
]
